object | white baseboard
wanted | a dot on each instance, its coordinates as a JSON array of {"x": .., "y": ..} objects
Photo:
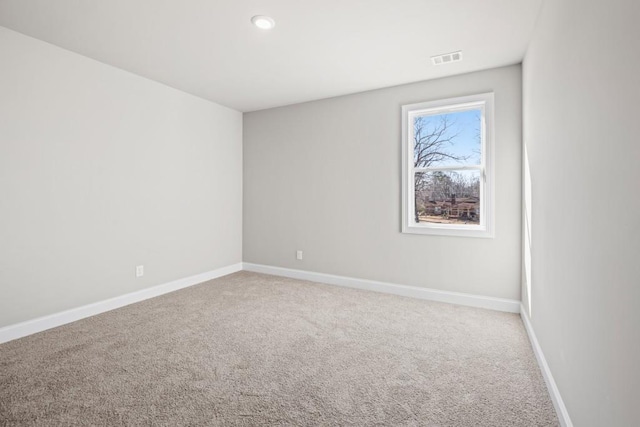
[
  {"x": 40, "y": 324},
  {"x": 500, "y": 304},
  {"x": 558, "y": 403},
  {"x": 29, "y": 327}
]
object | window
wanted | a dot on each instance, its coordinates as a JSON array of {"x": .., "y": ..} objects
[{"x": 447, "y": 185}]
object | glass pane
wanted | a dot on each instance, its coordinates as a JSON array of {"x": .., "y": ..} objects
[
  {"x": 450, "y": 139},
  {"x": 447, "y": 197}
]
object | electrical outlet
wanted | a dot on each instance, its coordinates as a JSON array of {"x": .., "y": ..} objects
[
  {"x": 298, "y": 254},
  {"x": 140, "y": 271}
]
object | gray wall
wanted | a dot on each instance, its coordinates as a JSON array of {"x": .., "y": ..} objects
[
  {"x": 324, "y": 177},
  {"x": 100, "y": 171},
  {"x": 582, "y": 130}
]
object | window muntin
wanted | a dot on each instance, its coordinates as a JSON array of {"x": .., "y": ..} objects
[{"x": 447, "y": 186}]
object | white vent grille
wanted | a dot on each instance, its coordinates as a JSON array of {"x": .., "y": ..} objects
[{"x": 447, "y": 58}]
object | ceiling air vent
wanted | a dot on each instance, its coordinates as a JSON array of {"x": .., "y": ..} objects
[{"x": 446, "y": 58}]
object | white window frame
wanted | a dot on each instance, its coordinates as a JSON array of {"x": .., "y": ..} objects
[{"x": 484, "y": 102}]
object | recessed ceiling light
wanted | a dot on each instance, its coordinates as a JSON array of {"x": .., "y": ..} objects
[
  {"x": 263, "y": 22},
  {"x": 447, "y": 57}
]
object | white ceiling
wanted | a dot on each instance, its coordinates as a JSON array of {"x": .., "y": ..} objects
[{"x": 318, "y": 48}]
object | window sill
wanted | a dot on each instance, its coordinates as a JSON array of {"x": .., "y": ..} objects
[{"x": 457, "y": 231}]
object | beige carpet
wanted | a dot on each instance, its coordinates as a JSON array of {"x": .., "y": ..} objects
[{"x": 250, "y": 349}]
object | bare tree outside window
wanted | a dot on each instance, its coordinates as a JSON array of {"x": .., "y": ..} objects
[{"x": 448, "y": 142}]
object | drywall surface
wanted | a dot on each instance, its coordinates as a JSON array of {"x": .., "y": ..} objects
[
  {"x": 100, "y": 171},
  {"x": 324, "y": 177},
  {"x": 581, "y": 130}
]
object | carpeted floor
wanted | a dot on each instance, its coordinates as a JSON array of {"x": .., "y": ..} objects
[{"x": 250, "y": 349}]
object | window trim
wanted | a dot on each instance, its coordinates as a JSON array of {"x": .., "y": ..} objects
[{"x": 487, "y": 191}]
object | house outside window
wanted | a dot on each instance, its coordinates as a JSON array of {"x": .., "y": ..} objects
[{"x": 447, "y": 185}]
